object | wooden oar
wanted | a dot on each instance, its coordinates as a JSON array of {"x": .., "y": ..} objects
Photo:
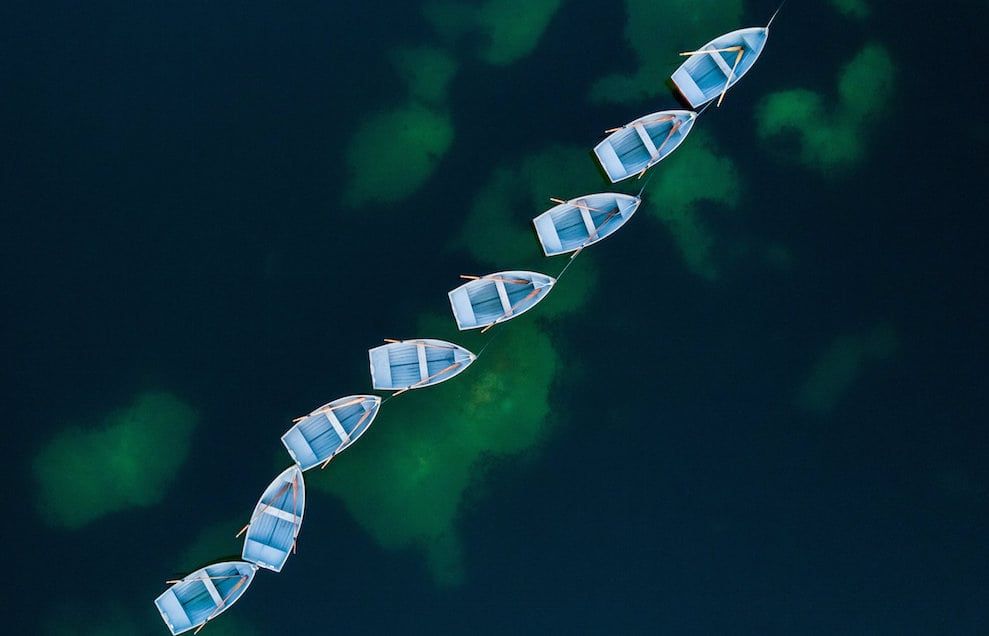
[
  {"x": 204, "y": 578},
  {"x": 611, "y": 214},
  {"x": 421, "y": 343},
  {"x": 329, "y": 408},
  {"x": 426, "y": 380},
  {"x": 295, "y": 511},
  {"x": 644, "y": 121},
  {"x": 356, "y": 426},
  {"x": 517, "y": 281},
  {"x": 675, "y": 127},
  {"x": 576, "y": 205},
  {"x": 223, "y": 604},
  {"x": 730, "y": 49},
  {"x": 738, "y": 58}
]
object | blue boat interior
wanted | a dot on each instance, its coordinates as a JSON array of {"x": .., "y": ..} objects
[
  {"x": 572, "y": 230},
  {"x": 272, "y": 533},
  {"x": 710, "y": 71},
  {"x": 632, "y": 151},
  {"x": 191, "y": 603},
  {"x": 315, "y": 439}
]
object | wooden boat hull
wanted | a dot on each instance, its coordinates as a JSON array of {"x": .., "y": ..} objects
[
  {"x": 583, "y": 221},
  {"x": 498, "y": 297},
  {"x": 415, "y": 364},
  {"x": 702, "y": 77},
  {"x": 330, "y": 429},
  {"x": 204, "y": 594},
  {"x": 641, "y": 144},
  {"x": 276, "y": 521}
]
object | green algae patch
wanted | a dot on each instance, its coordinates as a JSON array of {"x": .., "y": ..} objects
[
  {"x": 394, "y": 152},
  {"x": 657, "y": 32},
  {"x": 127, "y": 460},
  {"x": 507, "y": 30},
  {"x": 831, "y": 137},
  {"x": 407, "y": 487},
  {"x": 841, "y": 364},
  {"x": 427, "y": 72},
  {"x": 855, "y": 9},
  {"x": 697, "y": 177}
]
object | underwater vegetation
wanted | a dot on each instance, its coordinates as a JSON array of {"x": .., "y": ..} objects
[
  {"x": 831, "y": 137},
  {"x": 427, "y": 72},
  {"x": 656, "y": 31},
  {"x": 505, "y": 30},
  {"x": 87, "y": 472},
  {"x": 856, "y": 9},
  {"x": 394, "y": 152},
  {"x": 409, "y": 482},
  {"x": 696, "y": 176},
  {"x": 841, "y": 364}
]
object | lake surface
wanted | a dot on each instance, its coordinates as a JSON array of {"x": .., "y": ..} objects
[{"x": 758, "y": 408}]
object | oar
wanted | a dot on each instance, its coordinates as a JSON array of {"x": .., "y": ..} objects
[
  {"x": 329, "y": 408},
  {"x": 517, "y": 281},
  {"x": 730, "y": 49},
  {"x": 644, "y": 121},
  {"x": 223, "y": 604},
  {"x": 295, "y": 511},
  {"x": 204, "y": 578},
  {"x": 675, "y": 127},
  {"x": 738, "y": 58},
  {"x": 576, "y": 205},
  {"x": 425, "y": 380},
  {"x": 420, "y": 343},
  {"x": 357, "y": 426}
]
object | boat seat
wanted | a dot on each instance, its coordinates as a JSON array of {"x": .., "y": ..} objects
[
  {"x": 423, "y": 362},
  {"x": 612, "y": 165},
  {"x": 719, "y": 60},
  {"x": 211, "y": 589},
  {"x": 585, "y": 215},
  {"x": 299, "y": 448},
  {"x": 264, "y": 555},
  {"x": 503, "y": 296},
  {"x": 338, "y": 428},
  {"x": 647, "y": 141},
  {"x": 688, "y": 87},
  {"x": 281, "y": 514},
  {"x": 173, "y": 612}
]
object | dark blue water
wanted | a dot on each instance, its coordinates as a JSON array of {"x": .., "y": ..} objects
[{"x": 169, "y": 190}]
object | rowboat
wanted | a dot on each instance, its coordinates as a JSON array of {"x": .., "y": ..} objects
[
  {"x": 277, "y": 519},
  {"x": 641, "y": 144},
  {"x": 414, "y": 364},
  {"x": 320, "y": 436},
  {"x": 573, "y": 225},
  {"x": 487, "y": 300},
  {"x": 712, "y": 69},
  {"x": 203, "y": 595}
]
